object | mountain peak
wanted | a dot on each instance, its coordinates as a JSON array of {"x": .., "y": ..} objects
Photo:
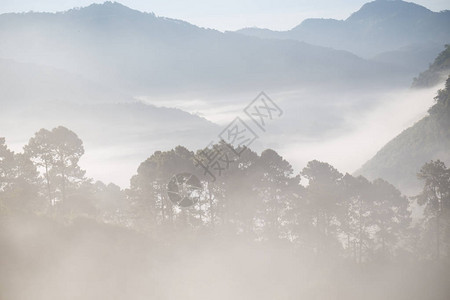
[
  {"x": 107, "y": 8},
  {"x": 383, "y": 9},
  {"x": 108, "y": 5}
]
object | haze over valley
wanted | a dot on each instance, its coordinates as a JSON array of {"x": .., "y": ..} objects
[
  {"x": 106, "y": 54},
  {"x": 149, "y": 157}
]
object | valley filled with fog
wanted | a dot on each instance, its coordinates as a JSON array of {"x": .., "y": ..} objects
[
  {"x": 163, "y": 82},
  {"x": 131, "y": 129}
]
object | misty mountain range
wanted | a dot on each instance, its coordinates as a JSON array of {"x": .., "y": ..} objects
[
  {"x": 142, "y": 53},
  {"x": 86, "y": 66},
  {"x": 378, "y": 29},
  {"x": 108, "y": 189}
]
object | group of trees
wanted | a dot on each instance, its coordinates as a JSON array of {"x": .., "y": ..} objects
[
  {"x": 46, "y": 177},
  {"x": 435, "y": 197},
  {"x": 257, "y": 197},
  {"x": 260, "y": 197}
]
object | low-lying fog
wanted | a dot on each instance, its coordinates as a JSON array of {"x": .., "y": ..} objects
[{"x": 344, "y": 128}]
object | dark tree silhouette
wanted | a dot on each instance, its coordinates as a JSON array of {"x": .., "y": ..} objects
[
  {"x": 19, "y": 181},
  {"x": 324, "y": 194},
  {"x": 436, "y": 197},
  {"x": 57, "y": 153}
]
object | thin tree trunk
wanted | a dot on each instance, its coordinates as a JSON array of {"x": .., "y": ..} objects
[
  {"x": 47, "y": 178},
  {"x": 63, "y": 185},
  {"x": 200, "y": 215},
  {"x": 438, "y": 213},
  {"x": 437, "y": 237},
  {"x": 348, "y": 243},
  {"x": 360, "y": 230},
  {"x": 163, "y": 215},
  {"x": 63, "y": 173},
  {"x": 211, "y": 207}
]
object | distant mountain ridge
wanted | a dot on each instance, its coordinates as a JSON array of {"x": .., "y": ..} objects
[
  {"x": 33, "y": 97},
  {"x": 39, "y": 94},
  {"x": 142, "y": 53},
  {"x": 378, "y": 27},
  {"x": 375, "y": 11},
  {"x": 24, "y": 83}
]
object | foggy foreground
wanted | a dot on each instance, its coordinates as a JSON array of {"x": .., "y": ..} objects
[
  {"x": 42, "y": 259},
  {"x": 259, "y": 231}
]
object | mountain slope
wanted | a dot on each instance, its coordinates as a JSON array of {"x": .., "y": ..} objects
[
  {"x": 25, "y": 83},
  {"x": 437, "y": 72},
  {"x": 379, "y": 26},
  {"x": 142, "y": 53},
  {"x": 415, "y": 58},
  {"x": 117, "y": 131},
  {"x": 429, "y": 139}
]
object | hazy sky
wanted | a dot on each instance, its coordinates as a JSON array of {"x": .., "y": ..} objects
[{"x": 224, "y": 15}]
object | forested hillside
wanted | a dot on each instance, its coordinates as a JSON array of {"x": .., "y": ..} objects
[
  {"x": 438, "y": 71},
  {"x": 429, "y": 139}
]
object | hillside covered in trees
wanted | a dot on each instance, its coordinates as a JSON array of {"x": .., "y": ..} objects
[
  {"x": 429, "y": 139},
  {"x": 438, "y": 71},
  {"x": 258, "y": 231}
]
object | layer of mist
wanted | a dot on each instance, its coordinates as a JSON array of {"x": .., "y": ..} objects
[{"x": 108, "y": 116}]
